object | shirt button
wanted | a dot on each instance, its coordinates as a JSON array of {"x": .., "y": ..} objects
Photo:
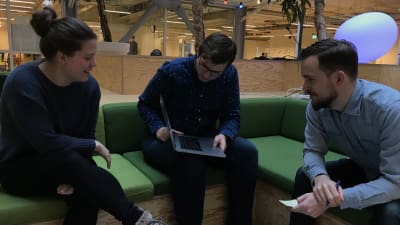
[{"x": 201, "y": 95}]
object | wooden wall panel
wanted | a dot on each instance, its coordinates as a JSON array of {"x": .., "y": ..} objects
[
  {"x": 260, "y": 75},
  {"x": 292, "y": 76},
  {"x": 370, "y": 72},
  {"x": 390, "y": 76},
  {"x": 108, "y": 72},
  {"x": 129, "y": 75},
  {"x": 138, "y": 70}
]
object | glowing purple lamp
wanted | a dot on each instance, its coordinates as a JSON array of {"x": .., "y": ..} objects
[{"x": 373, "y": 33}]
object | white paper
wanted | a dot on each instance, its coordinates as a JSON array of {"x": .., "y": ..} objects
[{"x": 289, "y": 203}]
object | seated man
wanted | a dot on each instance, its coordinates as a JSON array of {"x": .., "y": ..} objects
[
  {"x": 198, "y": 91},
  {"x": 363, "y": 119}
]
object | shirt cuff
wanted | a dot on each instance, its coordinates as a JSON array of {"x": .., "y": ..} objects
[{"x": 351, "y": 200}]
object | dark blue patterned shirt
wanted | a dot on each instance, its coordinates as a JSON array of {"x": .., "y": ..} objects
[{"x": 193, "y": 106}]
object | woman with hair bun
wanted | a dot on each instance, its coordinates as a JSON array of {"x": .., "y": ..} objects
[{"x": 48, "y": 114}]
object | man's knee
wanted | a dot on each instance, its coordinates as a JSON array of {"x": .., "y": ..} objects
[
  {"x": 301, "y": 184},
  {"x": 244, "y": 150},
  {"x": 388, "y": 213}
]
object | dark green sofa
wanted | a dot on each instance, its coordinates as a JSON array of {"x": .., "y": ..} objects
[{"x": 274, "y": 125}]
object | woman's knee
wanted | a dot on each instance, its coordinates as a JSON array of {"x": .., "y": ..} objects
[{"x": 74, "y": 159}]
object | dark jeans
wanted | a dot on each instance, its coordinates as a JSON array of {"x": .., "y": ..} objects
[
  {"x": 188, "y": 174},
  {"x": 349, "y": 175},
  {"x": 94, "y": 187}
]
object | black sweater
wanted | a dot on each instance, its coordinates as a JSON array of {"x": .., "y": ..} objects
[{"x": 38, "y": 117}]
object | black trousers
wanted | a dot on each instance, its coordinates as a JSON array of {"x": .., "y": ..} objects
[
  {"x": 94, "y": 187},
  {"x": 188, "y": 174},
  {"x": 349, "y": 175}
]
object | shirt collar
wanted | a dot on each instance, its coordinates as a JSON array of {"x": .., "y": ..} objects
[{"x": 353, "y": 107}]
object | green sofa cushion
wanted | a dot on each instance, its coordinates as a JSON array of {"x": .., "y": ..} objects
[
  {"x": 260, "y": 117},
  {"x": 279, "y": 158},
  {"x": 161, "y": 181},
  {"x": 294, "y": 119},
  {"x": 17, "y": 210},
  {"x": 136, "y": 185},
  {"x": 124, "y": 128}
]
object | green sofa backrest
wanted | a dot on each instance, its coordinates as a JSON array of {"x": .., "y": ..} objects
[
  {"x": 294, "y": 119},
  {"x": 260, "y": 117},
  {"x": 124, "y": 128},
  {"x": 294, "y": 122}
]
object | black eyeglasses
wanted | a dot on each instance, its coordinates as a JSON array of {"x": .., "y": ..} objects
[{"x": 213, "y": 73}]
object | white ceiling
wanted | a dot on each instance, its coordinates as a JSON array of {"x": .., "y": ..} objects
[{"x": 263, "y": 19}]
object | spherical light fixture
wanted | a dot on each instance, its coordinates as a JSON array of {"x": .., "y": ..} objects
[{"x": 373, "y": 33}]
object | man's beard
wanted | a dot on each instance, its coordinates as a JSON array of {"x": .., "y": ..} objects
[{"x": 323, "y": 102}]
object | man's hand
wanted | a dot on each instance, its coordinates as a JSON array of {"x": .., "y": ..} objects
[
  {"x": 327, "y": 192},
  {"x": 220, "y": 141},
  {"x": 103, "y": 152},
  {"x": 308, "y": 205},
  {"x": 162, "y": 134}
]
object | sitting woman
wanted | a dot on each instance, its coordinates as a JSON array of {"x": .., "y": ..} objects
[{"x": 48, "y": 115}]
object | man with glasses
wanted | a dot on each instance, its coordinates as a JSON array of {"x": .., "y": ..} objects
[{"x": 199, "y": 91}]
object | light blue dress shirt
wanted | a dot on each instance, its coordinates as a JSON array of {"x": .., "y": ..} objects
[{"x": 368, "y": 132}]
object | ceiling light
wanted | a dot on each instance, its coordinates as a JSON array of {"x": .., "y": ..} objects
[
  {"x": 176, "y": 22},
  {"x": 250, "y": 29},
  {"x": 17, "y": 6},
  {"x": 16, "y": 10},
  {"x": 47, "y": 3},
  {"x": 115, "y": 11},
  {"x": 25, "y": 2},
  {"x": 266, "y": 36}
]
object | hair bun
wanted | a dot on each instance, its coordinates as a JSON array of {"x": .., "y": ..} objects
[{"x": 43, "y": 20}]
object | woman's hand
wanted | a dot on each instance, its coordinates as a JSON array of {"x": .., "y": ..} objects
[
  {"x": 103, "y": 152},
  {"x": 65, "y": 189}
]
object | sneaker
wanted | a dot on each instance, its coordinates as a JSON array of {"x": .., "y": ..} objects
[{"x": 147, "y": 219}]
